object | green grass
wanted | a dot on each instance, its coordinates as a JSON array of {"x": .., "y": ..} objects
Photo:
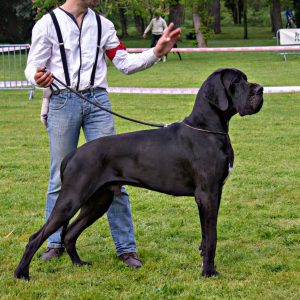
[{"x": 258, "y": 228}]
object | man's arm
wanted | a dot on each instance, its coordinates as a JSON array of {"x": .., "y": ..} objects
[
  {"x": 148, "y": 28},
  {"x": 39, "y": 54},
  {"x": 130, "y": 63}
]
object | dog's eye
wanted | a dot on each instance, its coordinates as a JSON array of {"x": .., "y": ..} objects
[{"x": 236, "y": 81}]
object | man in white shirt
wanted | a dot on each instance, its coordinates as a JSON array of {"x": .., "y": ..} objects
[
  {"x": 79, "y": 61},
  {"x": 158, "y": 25}
]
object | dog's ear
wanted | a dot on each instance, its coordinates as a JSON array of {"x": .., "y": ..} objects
[{"x": 215, "y": 91}]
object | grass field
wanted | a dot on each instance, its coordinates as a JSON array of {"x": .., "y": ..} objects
[{"x": 259, "y": 224}]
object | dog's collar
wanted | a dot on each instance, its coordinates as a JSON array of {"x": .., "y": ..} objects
[{"x": 205, "y": 130}]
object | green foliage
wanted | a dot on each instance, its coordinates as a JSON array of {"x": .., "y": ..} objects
[{"x": 43, "y": 6}]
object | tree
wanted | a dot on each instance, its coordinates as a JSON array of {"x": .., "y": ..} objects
[
  {"x": 276, "y": 15},
  {"x": 42, "y": 6},
  {"x": 139, "y": 22},
  {"x": 297, "y": 12},
  {"x": 123, "y": 20},
  {"x": 176, "y": 13},
  {"x": 201, "y": 42},
  {"x": 236, "y": 7},
  {"x": 245, "y": 7},
  {"x": 216, "y": 11}
]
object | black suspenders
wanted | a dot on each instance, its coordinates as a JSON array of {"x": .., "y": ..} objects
[
  {"x": 98, "y": 48},
  {"x": 63, "y": 52},
  {"x": 61, "y": 48}
]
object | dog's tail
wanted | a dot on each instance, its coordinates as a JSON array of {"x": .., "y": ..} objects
[{"x": 65, "y": 162}]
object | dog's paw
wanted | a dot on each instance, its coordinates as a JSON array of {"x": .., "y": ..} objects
[
  {"x": 19, "y": 274},
  {"x": 82, "y": 263},
  {"x": 209, "y": 272}
]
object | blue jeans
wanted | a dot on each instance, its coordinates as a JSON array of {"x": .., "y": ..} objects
[{"x": 67, "y": 115}]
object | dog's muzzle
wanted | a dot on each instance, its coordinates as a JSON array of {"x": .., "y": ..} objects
[{"x": 254, "y": 101}]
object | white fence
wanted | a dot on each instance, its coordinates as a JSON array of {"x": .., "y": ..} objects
[
  {"x": 13, "y": 62},
  {"x": 288, "y": 37}
]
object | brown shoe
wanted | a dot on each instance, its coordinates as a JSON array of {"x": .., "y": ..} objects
[
  {"x": 130, "y": 259},
  {"x": 51, "y": 253}
]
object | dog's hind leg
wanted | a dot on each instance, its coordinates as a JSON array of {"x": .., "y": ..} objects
[
  {"x": 91, "y": 211},
  {"x": 60, "y": 216}
]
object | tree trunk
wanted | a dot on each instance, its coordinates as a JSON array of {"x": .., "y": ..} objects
[
  {"x": 245, "y": 6},
  {"x": 216, "y": 7},
  {"x": 297, "y": 12},
  {"x": 272, "y": 19},
  {"x": 201, "y": 42},
  {"x": 276, "y": 11},
  {"x": 237, "y": 12},
  {"x": 123, "y": 22},
  {"x": 139, "y": 24},
  {"x": 176, "y": 13}
]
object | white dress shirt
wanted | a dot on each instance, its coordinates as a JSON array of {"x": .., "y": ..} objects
[{"x": 80, "y": 47}]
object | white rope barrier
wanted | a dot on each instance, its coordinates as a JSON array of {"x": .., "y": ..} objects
[
  {"x": 7, "y": 48},
  {"x": 179, "y": 91},
  {"x": 191, "y": 91},
  {"x": 228, "y": 49}
]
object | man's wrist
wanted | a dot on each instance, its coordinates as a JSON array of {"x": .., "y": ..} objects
[{"x": 157, "y": 53}]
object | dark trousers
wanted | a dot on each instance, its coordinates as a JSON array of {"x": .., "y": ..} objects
[{"x": 154, "y": 39}]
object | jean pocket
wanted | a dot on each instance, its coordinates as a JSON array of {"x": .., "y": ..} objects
[
  {"x": 58, "y": 101},
  {"x": 101, "y": 98}
]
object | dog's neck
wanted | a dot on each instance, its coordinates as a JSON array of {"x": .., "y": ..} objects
[{"x": 202, "y": 117}]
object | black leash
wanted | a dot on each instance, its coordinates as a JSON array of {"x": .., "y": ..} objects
[{"x": 55, "y": 90}]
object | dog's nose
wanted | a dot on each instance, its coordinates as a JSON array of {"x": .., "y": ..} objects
[{"x": 259, "y": 89}]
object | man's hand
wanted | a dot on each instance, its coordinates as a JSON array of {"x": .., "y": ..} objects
[
  {"x": 167, "y": 41},
  {"x": 42, "y": 78}
]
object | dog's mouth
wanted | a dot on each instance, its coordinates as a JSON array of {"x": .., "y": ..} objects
[{"x": 254, "y": 103}]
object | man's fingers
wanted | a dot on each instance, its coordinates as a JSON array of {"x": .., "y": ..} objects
[
  {"x": 48, "y": 82},
  {"x": 43, "y": 79},
  {"x": 170, "y": 34},
  {"x": 169, "y": 28},
  {"x": 40, "y": 77},
  {"x": 175, "y": 32}
]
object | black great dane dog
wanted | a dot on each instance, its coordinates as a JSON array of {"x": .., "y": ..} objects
[{"x": 187, "y": 158}]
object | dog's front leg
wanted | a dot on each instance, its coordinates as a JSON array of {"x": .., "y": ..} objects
[{"x": 208, "y": 212}]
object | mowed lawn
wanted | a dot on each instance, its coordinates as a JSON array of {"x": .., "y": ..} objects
[{"x": 258, "y": 253}]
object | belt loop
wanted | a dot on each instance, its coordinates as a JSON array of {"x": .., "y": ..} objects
[{"x": 92, "y": 91}]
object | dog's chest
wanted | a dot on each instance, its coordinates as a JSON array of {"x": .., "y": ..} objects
[
  {"x": 230, "y": 171},
  {"x": 230, "y": 154}
]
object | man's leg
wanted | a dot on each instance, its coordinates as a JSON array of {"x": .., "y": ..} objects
[
  {"x": 64, "y": 121},
  {"x": 154, "y": 40},
  {"x": 98, "y": 123}
]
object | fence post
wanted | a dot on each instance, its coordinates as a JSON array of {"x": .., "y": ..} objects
[{"x": 12, "y": 73}]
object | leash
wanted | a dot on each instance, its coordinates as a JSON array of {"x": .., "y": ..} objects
[{"x": 55, "y": 90}]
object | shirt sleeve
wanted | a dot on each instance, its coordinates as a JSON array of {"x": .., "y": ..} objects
[
  {"x": 127, "y": 63},
  {"x": 148, "y": 27},
  {"x": 40, "y": 50}
]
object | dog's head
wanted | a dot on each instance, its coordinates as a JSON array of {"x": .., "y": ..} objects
[{"x": 229, "y": 90}]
